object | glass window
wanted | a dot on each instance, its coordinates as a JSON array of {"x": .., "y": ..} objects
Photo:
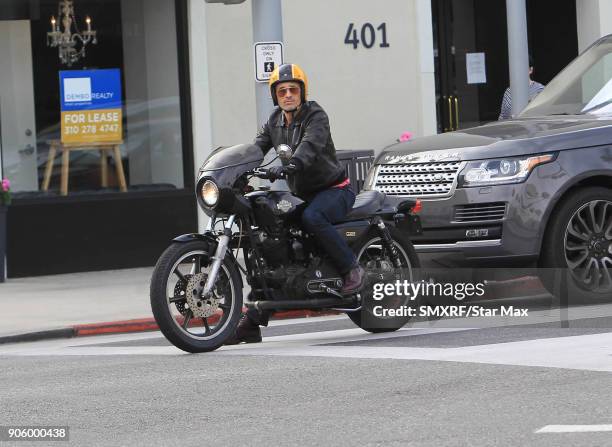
[
  {"x": 583, "y": 87},
  {"x": 136, "y": 40}
]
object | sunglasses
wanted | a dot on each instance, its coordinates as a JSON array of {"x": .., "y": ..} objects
[{"x": 282, "y": 92}]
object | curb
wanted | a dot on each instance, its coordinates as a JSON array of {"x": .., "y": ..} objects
[
  {"x": 38, "y": 336},
  {"x": 116, "y": 327},
  {"x": 515, "y": 288},
  {"x": 149, "y": 324},
  {"x": 125, "y": 327}
]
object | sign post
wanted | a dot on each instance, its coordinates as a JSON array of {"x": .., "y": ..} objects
[{"x": 267, "y": 27}]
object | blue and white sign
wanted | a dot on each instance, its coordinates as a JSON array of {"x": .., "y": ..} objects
[{"x": 90, "y": 89}]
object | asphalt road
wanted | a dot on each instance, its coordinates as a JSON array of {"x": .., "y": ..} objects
[{"x": 325, "y": 382}]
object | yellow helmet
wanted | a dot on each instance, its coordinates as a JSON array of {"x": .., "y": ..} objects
[{"x": 288, "y": 73}]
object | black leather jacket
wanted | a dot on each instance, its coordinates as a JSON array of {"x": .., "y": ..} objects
[{"x": 310, "y": 138}]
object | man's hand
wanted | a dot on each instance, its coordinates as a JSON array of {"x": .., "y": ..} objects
[
  {"x": 294, "y": 166},
  {"x": 276, "y": 172},
  {"x": 279, "y": 172}
]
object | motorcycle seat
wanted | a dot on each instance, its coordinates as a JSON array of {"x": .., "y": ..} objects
[{"x": 366, "y": 203}]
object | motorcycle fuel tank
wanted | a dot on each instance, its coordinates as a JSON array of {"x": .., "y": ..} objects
[{"x": 270, "y": 205}]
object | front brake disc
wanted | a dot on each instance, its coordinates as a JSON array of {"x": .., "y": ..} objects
[{"x": 201, "y": 307}]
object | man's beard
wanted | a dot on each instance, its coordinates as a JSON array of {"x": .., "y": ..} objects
[{"x": 291, "y": 109}]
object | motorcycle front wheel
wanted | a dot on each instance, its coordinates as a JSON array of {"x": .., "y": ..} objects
[{"x": 190, "y": 321}]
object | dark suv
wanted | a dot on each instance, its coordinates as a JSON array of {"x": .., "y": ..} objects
[{"x": 534, "y": 190}]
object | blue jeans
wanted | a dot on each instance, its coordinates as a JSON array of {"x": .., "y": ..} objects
[{"x": 327, "y": 207}]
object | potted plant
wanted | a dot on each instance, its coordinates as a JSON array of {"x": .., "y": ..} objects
[{"x": 5, "y": 200}]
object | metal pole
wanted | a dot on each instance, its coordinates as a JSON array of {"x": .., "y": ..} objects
[
  {"x": 518, "y": 54},
  {"x": 267, "y": 27}
]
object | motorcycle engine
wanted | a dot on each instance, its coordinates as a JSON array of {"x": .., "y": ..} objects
[
  {"x": 292, "y": 269},
  {"x": 274, "y": 247}
]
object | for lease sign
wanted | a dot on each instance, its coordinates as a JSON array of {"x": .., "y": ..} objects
[{"x": 91, "y": 106}]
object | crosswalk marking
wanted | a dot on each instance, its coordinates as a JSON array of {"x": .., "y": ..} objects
[
  {"x": 574, "y": 428},
  {"x": 582, "y": 352},
  {"x": 592, "y": 352}
]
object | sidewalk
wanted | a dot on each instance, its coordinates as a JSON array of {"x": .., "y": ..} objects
[{"x": 60, "y": 302}]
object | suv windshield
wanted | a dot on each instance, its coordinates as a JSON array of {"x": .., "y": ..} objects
[{"x": 584, "y": 86}]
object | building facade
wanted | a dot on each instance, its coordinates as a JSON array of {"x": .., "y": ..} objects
[{"x": 187, "y": 85}]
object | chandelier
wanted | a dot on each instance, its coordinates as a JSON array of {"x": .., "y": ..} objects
[{"x": 66, "y": 36}]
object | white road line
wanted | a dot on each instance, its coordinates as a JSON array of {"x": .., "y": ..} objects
[
  {"x": 582, "y": 352},
  {"x": 592, "y": 352},
  {"x": 574, "y": 428}
]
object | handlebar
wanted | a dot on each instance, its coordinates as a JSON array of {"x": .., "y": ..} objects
[{"x": 263, "y": 173}]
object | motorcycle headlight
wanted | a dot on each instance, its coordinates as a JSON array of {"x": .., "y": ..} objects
[
  {"x": 210, "y": 193},
  {"x": 500, "y": 171}
]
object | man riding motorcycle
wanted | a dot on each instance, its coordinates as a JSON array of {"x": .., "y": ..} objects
[{"x": 313, "y": 173}]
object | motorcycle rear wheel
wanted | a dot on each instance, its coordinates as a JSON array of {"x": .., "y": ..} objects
[
  {"x": 370, "y": 252},
  {"x": 195, "y": 323}
]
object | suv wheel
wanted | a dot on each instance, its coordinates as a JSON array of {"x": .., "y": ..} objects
[{"x": 579, "y": 239}]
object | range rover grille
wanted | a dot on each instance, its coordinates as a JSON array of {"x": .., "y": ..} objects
[
  {"x": 417, "y": 179},
  {"x": 480, "y": 212}
]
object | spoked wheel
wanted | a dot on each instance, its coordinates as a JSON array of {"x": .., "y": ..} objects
[
  {"x": 379, "y": 266},
  {"x": 190, "y": 320},
  {"x": 579, "y": 241},
  {"x": 588, "y": 246}
]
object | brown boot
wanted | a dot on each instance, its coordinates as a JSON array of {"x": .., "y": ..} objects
[
  {"x": 353, "y": 280},
  {"x": 246, "y": 332}
]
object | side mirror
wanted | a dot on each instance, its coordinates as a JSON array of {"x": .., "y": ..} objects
[{"x": 284, "y": 152}]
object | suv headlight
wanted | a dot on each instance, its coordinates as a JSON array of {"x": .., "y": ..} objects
[
  {"x": 501, "y": 171},
  {"x": 210, "y": 193},
  {"x": 368, "y": 184}
]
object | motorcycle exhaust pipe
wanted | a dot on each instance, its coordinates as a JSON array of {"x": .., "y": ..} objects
[{"x": 298, "y": 304}]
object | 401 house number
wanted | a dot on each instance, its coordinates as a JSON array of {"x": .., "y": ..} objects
[{"x": 368, "y": 35}]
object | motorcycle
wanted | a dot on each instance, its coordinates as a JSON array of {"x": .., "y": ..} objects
[{"x": 197, "y": 285}]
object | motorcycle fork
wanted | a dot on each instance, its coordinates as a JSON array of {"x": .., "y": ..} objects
[
  {"x": 387, "y": 242},
  {"x": 219, "y": 256}
]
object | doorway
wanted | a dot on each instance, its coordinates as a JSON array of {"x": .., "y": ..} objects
[
  {"x": 17, "y": 112},
  {"x": 471, "y": 54}
]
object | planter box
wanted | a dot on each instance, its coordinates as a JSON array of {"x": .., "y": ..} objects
[{"x": 81, "y": 233}]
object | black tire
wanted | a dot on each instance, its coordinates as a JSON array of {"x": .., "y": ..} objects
[
  {"x": 572, "y": 235},
  {"x": 171, "y": 317},
  {"x": 365, "y": 317}
]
